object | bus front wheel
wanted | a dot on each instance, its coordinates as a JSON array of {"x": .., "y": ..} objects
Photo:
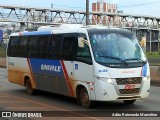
[
  {"x": 29, "y": 88},
  {"x": 84, "y": 98},
  {"x": 129, "y": 101}
]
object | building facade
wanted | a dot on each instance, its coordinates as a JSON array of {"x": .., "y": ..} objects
[{"x": 102, "y": 6}]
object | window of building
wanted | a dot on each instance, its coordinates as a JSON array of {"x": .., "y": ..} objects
[{"x": 114, "y": 10}]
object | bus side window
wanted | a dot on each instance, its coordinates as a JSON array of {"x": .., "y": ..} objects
[
  {"x": 69, "y": 47},
  {"x": 43, "y": 48},
  {"x": 13, "y": 46},
  {"x": 32, "y": 46},
  {"x": 83, "y": 54},
  {"x": 22, "y": 49},
  {"x": 55, "y": 46}
]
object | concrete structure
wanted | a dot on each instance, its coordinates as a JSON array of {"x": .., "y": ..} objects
[
  {"x": 102, "y": 6},
  {"x": 102, "y": 13}
]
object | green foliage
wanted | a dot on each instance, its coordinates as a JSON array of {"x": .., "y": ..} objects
[
  {"x": 2, "y": 52},
  {"x": 154, "y": 58},
  {"x": 153, "y": 55}
]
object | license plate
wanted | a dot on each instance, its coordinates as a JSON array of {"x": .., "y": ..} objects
[{"x": 129, "y": 87}]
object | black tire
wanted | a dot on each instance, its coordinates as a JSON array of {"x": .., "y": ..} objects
[
  {"x": 84, "y": 98},
  {"x": 129, "y": 101},
  {"x": 29, "y": 88}
]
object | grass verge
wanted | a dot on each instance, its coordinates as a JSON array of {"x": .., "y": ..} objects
[
  {"x": 153, "y": 55},
  {"x": 2, "y": 52}
]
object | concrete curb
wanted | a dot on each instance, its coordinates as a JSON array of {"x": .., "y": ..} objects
[
  {"x": 3, "y": 66},
  {"x": 155, "y": 83}
]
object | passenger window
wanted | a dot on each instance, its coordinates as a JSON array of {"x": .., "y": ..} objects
[
  {"x": 13, "y": 46},
  {"x": 32, "y": 46},
  {"x": 55, "y": 47},
  {"x": 22, "y": 49},
  {"x": 83, "y": 54},
  {"x": 43, "y": 46},
  {"x": 69, "y": 47}
]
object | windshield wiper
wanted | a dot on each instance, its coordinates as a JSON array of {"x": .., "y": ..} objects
[
  {"x": 129, "y": 59},
  {"x": 115, "y": 58}
]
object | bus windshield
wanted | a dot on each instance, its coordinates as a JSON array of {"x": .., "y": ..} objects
[{"x": 116, "y": 47}]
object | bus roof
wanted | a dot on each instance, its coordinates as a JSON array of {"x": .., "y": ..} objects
[
  {"x": 46, "y": 32},
  {"x": 64, "y": 28}
]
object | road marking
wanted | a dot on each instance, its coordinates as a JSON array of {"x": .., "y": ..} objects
[
  {"x": 52, "y": 107},
  {"x": 12, "y": 101},
  {"x": 28, "y": 108}
]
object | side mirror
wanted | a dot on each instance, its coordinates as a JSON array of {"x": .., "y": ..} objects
[{"x": 81, "y": 42}]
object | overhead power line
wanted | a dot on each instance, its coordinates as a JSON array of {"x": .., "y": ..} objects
[
  {"x": 136, "y": 5},
  {"x": 66, "y": 6}
]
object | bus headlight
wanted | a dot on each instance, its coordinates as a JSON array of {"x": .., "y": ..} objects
[{"x": 108, "y": 80}]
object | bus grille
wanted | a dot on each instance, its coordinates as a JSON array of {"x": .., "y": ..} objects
[
  {"x": 132, "y": 91},
  {"x": 123, "y": 81}
]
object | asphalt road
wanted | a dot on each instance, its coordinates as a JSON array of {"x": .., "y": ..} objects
[{"x": 14, "y": 98}]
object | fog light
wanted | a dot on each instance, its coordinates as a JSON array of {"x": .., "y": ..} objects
[{"x": 105, "y": 80}]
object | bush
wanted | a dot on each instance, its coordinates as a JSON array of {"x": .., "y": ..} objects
[
  {"x": 153, "y": 54},
  {"x": 2, "y": 51}
]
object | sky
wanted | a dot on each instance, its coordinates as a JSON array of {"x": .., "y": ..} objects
[{"x": 138, "y": 7}]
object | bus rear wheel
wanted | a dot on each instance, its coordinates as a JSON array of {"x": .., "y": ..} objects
[
  {"x": 29, "y": 88},
  {"x": 84, "y": 98},
  {"x": 129, "y": 101}
]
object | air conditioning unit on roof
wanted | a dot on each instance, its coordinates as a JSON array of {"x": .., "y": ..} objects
[{"x": 60, "y": 27}]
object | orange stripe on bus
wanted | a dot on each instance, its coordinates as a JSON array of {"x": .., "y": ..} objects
[
  {"x": 67, "y": 79},
  {"x": 31, "y": 71}
]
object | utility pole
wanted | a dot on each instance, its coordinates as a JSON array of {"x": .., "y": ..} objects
[
  {"x": 87, "y": 12},
  {"x": 150, "y": 41},
  {"x": 51, "y": 12}
]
